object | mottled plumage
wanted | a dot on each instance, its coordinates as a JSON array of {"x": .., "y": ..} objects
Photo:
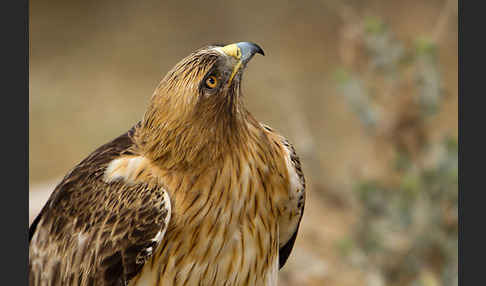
[{"x": 197, "y": 193}]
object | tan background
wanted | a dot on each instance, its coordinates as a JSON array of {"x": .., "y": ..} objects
[{"x": 94, "y": 65}]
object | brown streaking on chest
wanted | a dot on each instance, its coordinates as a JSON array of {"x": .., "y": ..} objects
[{"x": 224, "y": 218}]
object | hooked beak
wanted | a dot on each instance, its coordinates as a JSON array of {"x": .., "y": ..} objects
[
  {"x": 242, "y": 52},
  {"x": 248, "y": 50}
]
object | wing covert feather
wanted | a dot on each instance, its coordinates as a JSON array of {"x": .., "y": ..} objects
[{"x": 95, "y": 233}]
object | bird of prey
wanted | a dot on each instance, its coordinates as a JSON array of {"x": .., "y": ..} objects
[{"x": 196, "y": 193}]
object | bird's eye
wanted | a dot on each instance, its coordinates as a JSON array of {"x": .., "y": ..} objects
[{"x": 211, "y": 82}]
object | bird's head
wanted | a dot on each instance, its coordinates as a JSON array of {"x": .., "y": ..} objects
[{"x": 198, "y": 104}]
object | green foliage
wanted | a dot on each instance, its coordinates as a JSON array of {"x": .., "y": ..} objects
[
  {"x": 408, "y": 229},
  {"x": 421, "y": 209},
  {"x": 425, "y": 46},
  {"x": 342, "y": 76},
  {"x": 374, "y": 25}
]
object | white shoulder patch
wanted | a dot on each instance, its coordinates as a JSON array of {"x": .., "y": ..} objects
[{"x": 125, "y": 168}]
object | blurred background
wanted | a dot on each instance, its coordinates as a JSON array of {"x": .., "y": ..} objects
[{"x": 366, "y": 90}]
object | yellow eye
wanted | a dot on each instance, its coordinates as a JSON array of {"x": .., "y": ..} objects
[{"x": 211, "y": 81}]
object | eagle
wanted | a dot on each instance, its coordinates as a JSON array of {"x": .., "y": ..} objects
[{"x": 198, "y": 192}]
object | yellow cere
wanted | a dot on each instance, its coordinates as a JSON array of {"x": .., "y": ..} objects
[
  {"x": 235, "y": 52},
  {"x": 232, "y": 51}
]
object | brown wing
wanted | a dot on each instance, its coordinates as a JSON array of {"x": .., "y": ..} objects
[
  {"x": 94, "y": 233},
  {"x": 299, "y": 196},
  {"x": 289, "y": 221}
]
